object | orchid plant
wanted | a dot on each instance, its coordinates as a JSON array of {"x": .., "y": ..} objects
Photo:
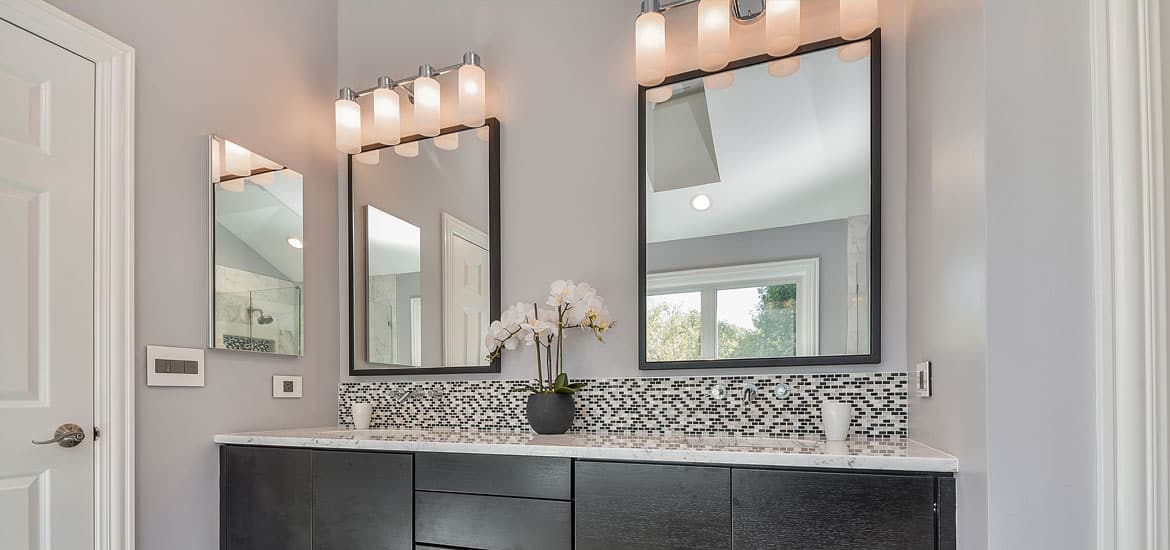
[{"x": 570, "y": 306}]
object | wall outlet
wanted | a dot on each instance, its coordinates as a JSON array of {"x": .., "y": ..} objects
[
  {"x": 923, "y": 381},
  {"x": 166, "y": 366},
  {"x": 286, "y": 386}
]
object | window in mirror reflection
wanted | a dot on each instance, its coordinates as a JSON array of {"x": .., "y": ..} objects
[
  {"x": 394, "y": 310},
  {"x": 258, "y": 269},
  {"x": 757, "y": 211}
]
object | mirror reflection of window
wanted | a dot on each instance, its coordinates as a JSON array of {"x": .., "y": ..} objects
[
  {"x": 763, "y": 167},
  {"x": 394, "y": 287},
  {"x": 258, "y": 274}
]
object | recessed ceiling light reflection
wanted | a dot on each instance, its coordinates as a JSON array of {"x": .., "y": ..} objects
[
  {"x": 295, "y": 242},
  {"x": 701, "y": 202}
]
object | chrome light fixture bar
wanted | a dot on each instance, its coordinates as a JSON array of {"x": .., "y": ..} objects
[
  {"x": 423, "y": 91},
  {"x": 858, "y": 18}
]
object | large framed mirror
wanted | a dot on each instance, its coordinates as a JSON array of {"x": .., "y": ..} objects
[
  {"x": 760, "y": 212},
  {"x": 425, "y": 253},
  {"x": 256, "y": 241}
]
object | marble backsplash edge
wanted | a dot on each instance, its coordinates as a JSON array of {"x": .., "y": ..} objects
[{"x": 653, "y": 405}]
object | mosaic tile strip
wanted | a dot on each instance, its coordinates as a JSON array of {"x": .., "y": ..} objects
[
  {"x": 674, "y": 405},
  {"x": 248, "y": 343}
]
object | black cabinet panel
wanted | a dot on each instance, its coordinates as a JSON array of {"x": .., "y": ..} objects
[
  {"x": 362, "y": 501},
  {"x": 265, "y": 498},
  {"x": 815, "y": 510},
  {"x": 947, "y": 538},
  {"x": 492, "y": 523},
  {"x": 518, "y": 476},
  {"x": 651, "y": 507}
]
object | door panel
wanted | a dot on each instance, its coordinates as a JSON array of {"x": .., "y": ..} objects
[
  {"x": 46, "y": 288},
  {"x": 466, "y": 292}
]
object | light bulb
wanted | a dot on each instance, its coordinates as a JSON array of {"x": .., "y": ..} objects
[
  {"x": 719, "y": 81},
  {"x": 448, "y": 142},
  {"x": 650, "y": 44},
  {"x": 858, "y": 18},
  {"x": 387, "y": 119},
  {"x": 483, "y": 133},
  {"x": 237, "y": 159},
  {"x": 426, "y": 106},
  {"x": 853, "y": 52},
  {"x": 472, "y": 84},
  {"x": 349, "y": 124},
  {"x": 782, "y": 26},
  {"x": 407, "y": 150},
  {"x": 714, "y": 42},
  {"x": 784, "y": 67},
  {"x": 369, "y": 157},
  {"x": 659, "y": 94}
]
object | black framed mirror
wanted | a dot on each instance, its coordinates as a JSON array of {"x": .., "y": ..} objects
[
  {"x": 759, "y": 211},
  {"x": 424, "y": 241}
]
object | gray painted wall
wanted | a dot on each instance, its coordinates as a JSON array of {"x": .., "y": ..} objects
[
  {"x": 261, "y": 73},
  {"x": 230, "y": 251},
  {"x": 1000, "y": 263},
  {"x": 561, "y": 80},
  {"x": 824, "y": 240},
  {"x": 947, "y": 242}
]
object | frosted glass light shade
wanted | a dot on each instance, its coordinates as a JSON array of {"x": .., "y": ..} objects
[
  {"x": 472, "y": 85},
  {"x": 782, "y": 26},
  {"x": 858, "y": 18},
  {"x": 853, "y": 52},
  {"x": 426, "y": 106},
  {"x": 387, "y": 119},
  {"x": 237, "y": 159},
  {"x": 369, "y": 157},
  {"x": 235, "y": 186},
  {"x": 659, "y": 94},
  {"x": 407, "y": 150},
  {"x": 719, "y": 81},
  {"x": 448, "y": 142},
  {"x": 714, "y": 42},
  {"x": 784, "y": 67},
  {"x": 650, "y": 40},
  {"x": 483, "y": 133},
  {"x": 263, "y": 180},
  {"x": 348, "y": 117}
]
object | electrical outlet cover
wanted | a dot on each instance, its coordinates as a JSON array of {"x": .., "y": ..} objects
[
  {"x": 286, "y": 386},
  {"x": 923, "y": 380}
]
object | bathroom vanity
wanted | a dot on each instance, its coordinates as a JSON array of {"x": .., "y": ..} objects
[{"x": 333, "y": 489}]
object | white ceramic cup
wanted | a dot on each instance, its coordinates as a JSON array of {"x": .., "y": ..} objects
[
  {"x": 362, "y": 413},
  {"x": 835, "y": 417}
]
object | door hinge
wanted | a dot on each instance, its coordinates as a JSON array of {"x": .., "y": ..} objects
[{"x": 97, "y": 434}]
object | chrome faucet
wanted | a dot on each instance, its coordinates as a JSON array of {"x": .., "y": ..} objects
[{"x": 403, "y": 396}]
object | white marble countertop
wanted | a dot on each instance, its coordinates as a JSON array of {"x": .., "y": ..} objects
[{"x": 900, "y": 454}]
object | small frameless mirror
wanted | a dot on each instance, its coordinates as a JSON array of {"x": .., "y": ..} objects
[{"x": 256, "y": 242}]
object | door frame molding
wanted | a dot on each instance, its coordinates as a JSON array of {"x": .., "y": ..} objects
[
  {"x": 114, "y": 382},
  {"x": 1130, "y": 275}
]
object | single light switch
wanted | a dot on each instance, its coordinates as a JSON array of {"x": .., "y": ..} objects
[
  {"x": 924, "y": 382},
  {"x": 286, "y": 386},
  {"x": 167, "y": 366}
]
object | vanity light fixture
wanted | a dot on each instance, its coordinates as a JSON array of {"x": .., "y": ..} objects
[
  {"x": 407, "y": 150},
  {"x": 858, "y": 18},
  {"x": 701, "y": 202},
  {"x": 784, "y": 67},
  {"x": 237, "y": 159},
  {"x": 719, "y": 81},
  {"x": 296, "y": 242},
  {"x": 448, "y": 142},
  {"x": 369, "y": 157},
  {"x": 659, "y": 94},
  {"x": 424, "y": 92}
]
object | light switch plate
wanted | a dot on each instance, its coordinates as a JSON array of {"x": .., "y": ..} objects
[
  {"x": 923, "y": 380},
  {"x": 167, "y": 366},
  {"x": 286, "y": 386}
]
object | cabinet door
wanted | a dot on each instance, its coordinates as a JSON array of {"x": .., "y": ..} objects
[
  {"x": 651, "y": 506},
  {"x": 362, "y": 501},
  {"x": 265, "y": 498},
  {"x": 817, "y": 510}
]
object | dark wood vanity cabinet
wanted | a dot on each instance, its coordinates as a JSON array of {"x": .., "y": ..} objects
[{"x": 303, "y": 499}]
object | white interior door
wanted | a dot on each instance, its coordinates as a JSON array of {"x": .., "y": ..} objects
[
  {"x": 466, "y": 292},
  {"x": 46, "y": 292}
]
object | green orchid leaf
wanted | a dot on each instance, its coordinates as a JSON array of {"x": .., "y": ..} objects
[
  {"x": 576, "y": 385},
  {"x": 565, "y": 389},
  {"x": 526, "y": 388}
]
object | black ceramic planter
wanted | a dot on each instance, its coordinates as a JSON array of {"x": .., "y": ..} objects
[{"x": 550, "y": 413}]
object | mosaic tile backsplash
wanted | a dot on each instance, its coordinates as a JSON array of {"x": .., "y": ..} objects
[{"x": 674, "y": 405}]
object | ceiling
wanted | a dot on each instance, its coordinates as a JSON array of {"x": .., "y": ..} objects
[
  {"x": 787, "y": 151},
  {"x": 394, "y": 244},
  {"x": 264, "y": 217}
]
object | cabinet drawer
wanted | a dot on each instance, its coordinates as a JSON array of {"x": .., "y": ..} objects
[
  {"x": 516, "y": 476},
  {"x": 491, "y": 523}
]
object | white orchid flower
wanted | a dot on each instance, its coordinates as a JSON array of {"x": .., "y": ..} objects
[{"x": 559, "y": 292}]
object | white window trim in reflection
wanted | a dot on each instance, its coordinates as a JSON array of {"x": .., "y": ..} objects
[{"x": 804, "y": 273}]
